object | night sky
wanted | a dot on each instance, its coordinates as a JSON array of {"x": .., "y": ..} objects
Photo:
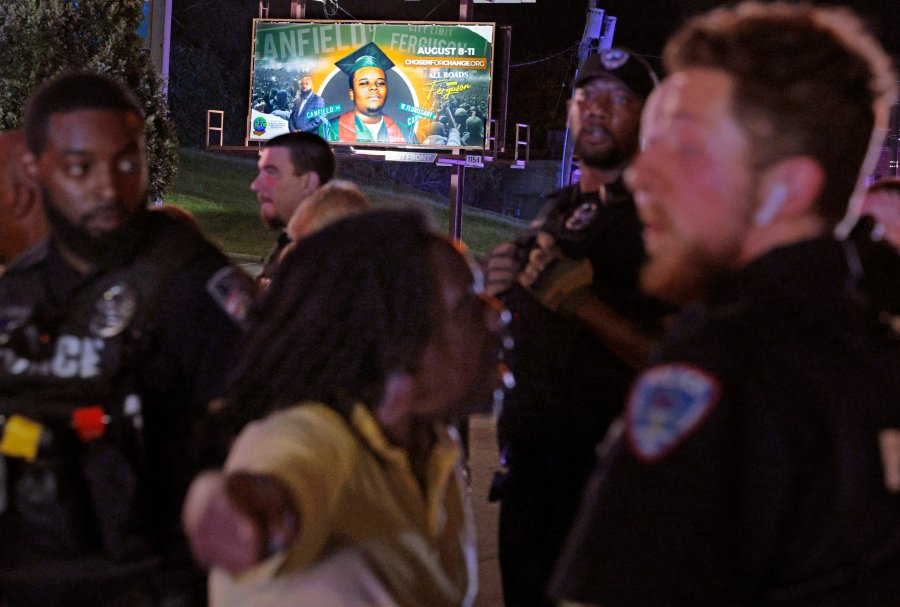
[
  {"x": 545, "y": 36},
  {"x": 549, "y": 25}
]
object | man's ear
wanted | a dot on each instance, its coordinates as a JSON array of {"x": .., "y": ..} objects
[
  {"x": 790, "y": 188},
  {"x": 352, "y": 96},
  {"x": 311, "y": 182},
  {"x": 399, "y": 399},
  {"x": 26, "y": 198},
  {"x": 26, "y": 193}
]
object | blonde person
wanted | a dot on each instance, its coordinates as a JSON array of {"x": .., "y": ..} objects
[{"x": 333, "y": 201}]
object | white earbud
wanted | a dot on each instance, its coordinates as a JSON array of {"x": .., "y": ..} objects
[{"x": 769, "y": 209}]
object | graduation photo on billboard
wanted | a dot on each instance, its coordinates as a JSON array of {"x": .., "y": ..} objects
[{"x": 379, "y": 84}]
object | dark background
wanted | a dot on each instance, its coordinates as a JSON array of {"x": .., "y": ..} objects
[{"x": 210, "y": 63}]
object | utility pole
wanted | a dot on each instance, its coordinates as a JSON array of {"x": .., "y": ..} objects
[
  {"x": 159, "y": 34},
  {"x": 465, "y": 10},
  {"x": 598, "y": 34}
]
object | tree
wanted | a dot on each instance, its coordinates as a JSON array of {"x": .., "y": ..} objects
[{"x": 39, "y": 38}]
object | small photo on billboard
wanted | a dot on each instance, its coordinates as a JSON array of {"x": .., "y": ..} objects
[{"x": 379, "y": 84}]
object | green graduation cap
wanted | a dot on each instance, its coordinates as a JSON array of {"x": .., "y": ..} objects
[{"x": 368, "y": 55}]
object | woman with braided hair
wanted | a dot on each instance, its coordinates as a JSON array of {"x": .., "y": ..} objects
[{"x": 346, "y": 488}]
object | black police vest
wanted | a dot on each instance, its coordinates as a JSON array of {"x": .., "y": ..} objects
[{"x": 72, "y": 440}]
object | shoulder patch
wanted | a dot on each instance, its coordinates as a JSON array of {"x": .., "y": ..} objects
[
  {"x": 234, "y": 291},
  {"x": 668, "y": 402}
]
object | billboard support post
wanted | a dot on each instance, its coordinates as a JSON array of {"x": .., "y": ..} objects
[
  {"x": 458, "y": 177},
  {"x": 457, "y": 190}
]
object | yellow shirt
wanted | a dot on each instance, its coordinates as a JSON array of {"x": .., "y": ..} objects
[{"x": 366, "y": 527}]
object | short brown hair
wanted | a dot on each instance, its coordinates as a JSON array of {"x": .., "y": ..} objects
[{"x": 808, "y": 81}]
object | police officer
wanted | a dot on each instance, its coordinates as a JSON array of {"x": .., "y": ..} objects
[
  {"x": 579, "y": 330},
  {"x": 114, "y": 335},
  {"x": 757, "y": 463}
]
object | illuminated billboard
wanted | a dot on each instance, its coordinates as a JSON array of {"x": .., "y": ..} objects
[{"x": 378, "y": 84}]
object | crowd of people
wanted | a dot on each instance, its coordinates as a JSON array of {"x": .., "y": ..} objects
[{"x": 703, "y": 331}]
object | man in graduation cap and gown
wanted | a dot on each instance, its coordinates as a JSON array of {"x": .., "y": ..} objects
[{"x": 366, "y": 123}]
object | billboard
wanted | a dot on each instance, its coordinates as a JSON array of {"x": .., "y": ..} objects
[{"x": 367, "y": 83}]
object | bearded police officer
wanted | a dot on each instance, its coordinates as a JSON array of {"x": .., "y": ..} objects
[
  {"x": 758, "y": 463},
  {"x": 579, "y": 330},
  {"x": 114, "y": 334}
]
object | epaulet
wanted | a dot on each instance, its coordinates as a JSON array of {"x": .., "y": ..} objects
[{"x": 30, "y": 257}]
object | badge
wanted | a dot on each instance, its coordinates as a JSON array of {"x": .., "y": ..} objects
[
  {"x": 582, "y": 217},
  {"x": 666, "y": 405},
  {"x": 614, "y": 58},
  {"x": 234, "y": 291},
  {"x": 113, "y": 312}
]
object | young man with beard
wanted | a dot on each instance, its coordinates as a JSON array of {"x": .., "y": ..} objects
[
  {"x": 579, "y": 336},
  {"x": 22, "y": 222},
  {"x": 113, "y": 337},
  {"x": 291, "y": 167},
  {"x": 758, "y": 459}
]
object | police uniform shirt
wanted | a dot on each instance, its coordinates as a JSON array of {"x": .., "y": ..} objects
[
  {"x": 748, "y": 471},
  {"x": 187, "y": 334},
  {"x": 569, "y": 385}
]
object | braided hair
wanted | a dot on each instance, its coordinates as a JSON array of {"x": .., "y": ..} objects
[{"x": 347, "y": 307}]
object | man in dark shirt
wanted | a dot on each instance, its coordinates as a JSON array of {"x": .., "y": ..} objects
[
  {"x": 577, "y": 339},
  {"x": 114, "y": 335},
  {"x": 754, "y": 464},
  {"x": 291, "y": 167}
]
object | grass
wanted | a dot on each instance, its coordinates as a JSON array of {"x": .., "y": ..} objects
[{"x": 216, "y": 190}]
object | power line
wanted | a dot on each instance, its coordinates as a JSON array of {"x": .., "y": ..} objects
[
  {"x": 568, "y": 49},
  {"x": 434, "y": 9}
]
